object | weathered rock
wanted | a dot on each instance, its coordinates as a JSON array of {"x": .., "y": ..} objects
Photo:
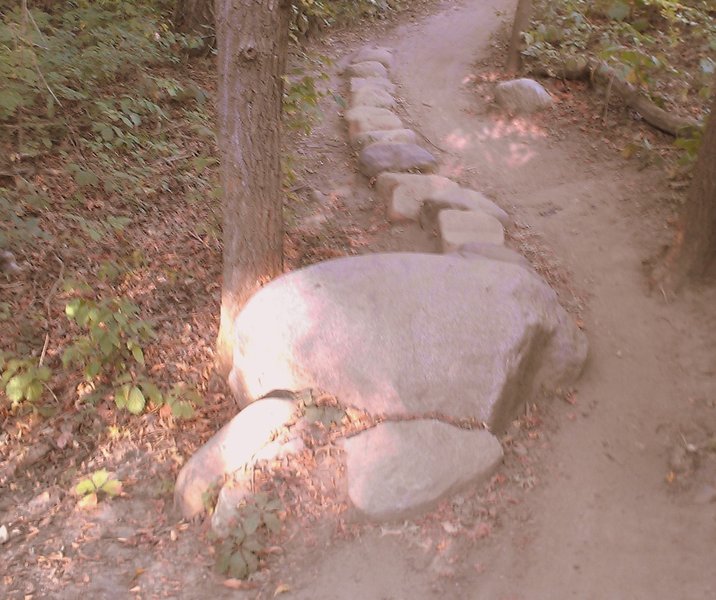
[
  {"x": 407, "y": 334},
  {"x": 226, "y": 512},
  {"x": 367, "y": 69},
  {"x": 358, "y": 83},
  {"x": 372, "y": 96},
  {"x": 493, "y": 252},
  {"x": 406, "y": 136},
  {"x": 458, "y": 227},
  {"x": 404, "y": 193},
  {"x": 396, "y": 469},
  {"x": 236, "y": 445},
  {"x": 367, "y": 118},
  {"x": 377, "y": 54},
  {"x": 381, "y": 157},
  {"x": 459, "y": 199},
  {"x": 522, "y": 96}
]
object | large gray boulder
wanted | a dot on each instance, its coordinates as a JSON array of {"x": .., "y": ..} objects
[
  {"x": 246, "y": 439},
  {"x": 408, "y": 334},
  {"x": 522, "y": 96},
  {"x": 404, "y": 193},
  {"x": 398, "y": 136},
  {"x": 397, "y": 469}
]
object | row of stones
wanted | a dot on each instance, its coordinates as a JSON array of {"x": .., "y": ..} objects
[
  {"x": 403, "y": 171},
  {"x": 395, "y": 468}
]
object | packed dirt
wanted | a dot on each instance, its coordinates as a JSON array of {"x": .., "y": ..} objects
[{"x": 607, "y": 491}]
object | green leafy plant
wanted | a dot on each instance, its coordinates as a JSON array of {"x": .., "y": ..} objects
[
  {"x": 22, "y": 379},
  {"x": 239, "y": 554},
  {"x": 99, "y": 484}
]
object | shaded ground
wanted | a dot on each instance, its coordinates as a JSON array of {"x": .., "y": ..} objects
[{"x": 604, "y": 492}]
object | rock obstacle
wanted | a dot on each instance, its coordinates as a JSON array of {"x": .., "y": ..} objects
[{"x": 434, "y": 352}]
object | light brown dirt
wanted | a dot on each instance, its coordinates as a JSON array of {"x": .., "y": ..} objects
[{"x": 619, "y": 509}]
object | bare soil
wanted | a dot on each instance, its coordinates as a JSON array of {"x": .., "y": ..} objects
[{"x": 607, "y": 491}]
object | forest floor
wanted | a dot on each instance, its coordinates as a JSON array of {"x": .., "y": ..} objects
[{"x": 607, "y": 493}]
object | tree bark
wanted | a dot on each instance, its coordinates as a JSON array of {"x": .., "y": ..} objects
[
  {"x": 523, "y": 13},
  {"x": 694, "y": 244},
  {"x": 252, "y": 40}
]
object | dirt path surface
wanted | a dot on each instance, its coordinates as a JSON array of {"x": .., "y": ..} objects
[{"x": 617, "y": 510}]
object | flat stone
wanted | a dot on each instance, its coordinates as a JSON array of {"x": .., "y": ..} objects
[
  {"x": 367, "y": 69},
  {"x": 397, "y": 469},
  {"x": 407, "y": 334},
  {"x": 377, "y": 54},
  {"x": 405, "y": 136},
  {"x": 404, "y": 194},
  {"x": 493, "y": 252},
  {"x": 367, "y": 118},
  {"x": 459, "y": 199},
  {"x": 358, "y": 83},
  {"x": 522, "y": 96},
  {"x": 459, "y": 227},
  {"x": 372, "y": 96},
  {"x": 381, "y": 157},
  {"x": 235, "y": 446}
]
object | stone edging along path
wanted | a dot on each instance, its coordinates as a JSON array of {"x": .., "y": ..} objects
[{"x": 425, "y": 354}]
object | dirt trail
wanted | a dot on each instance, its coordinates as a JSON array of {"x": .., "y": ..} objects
[{"x": 602, "y": 522}]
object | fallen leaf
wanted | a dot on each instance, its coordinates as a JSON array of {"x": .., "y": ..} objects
[{"x": 282, "y": 588}]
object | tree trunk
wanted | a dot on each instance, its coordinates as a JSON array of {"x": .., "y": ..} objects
[
  {"x": 521, "y": 23},
  {"x": 694, "y": 245},
  {"x": 252, "y": 40},
  {"x": 196, "y": 17}
]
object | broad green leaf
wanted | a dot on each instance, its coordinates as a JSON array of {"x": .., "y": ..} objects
[
  {"x": 135, "y": 401},
  {"x": 99, "y": 478},
  {"x": 272, "y": 522},
  {"x": 72, "y": 307},
  {"x": 85, "y": 178},
  {"x": 121, "y": 396},
  {"x": 113, "y": 487},
  {"x": 9, "y": 100},
  {"x": 33, "y": 392},
  {"x": 137, "y": 353},
  {"x": 251, "y": 522},
  {"x": 237, "y": 566},
  {"x": 15, "y": 389},
  {"x": 252, "y": 563},
  {"x": 85, "y": 487},
  {"x": 618, "y": 10}
]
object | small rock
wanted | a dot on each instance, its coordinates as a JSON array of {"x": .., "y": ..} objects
[
  {"x": 405, "y": 193},
  {"x": 459, "y": 199},
  {"x": 381, "y": 157},
  {"x": 4, "y": 535},
  {"x": 372, "y": 96},
  {"x": 367, "y": 118},
  {"x": 522, "y": 96},
  {"x": 367, "y": 69},
  {"x": 494, "y": 252},
  {"x": 457, "y": 227},
  {"x": 405, "y": 136},
  {"x": 397, "y": 469},
  {"x": 381, "y": 55},
  {"x": 358, "y": 83},
  {"x": 235, "y": 446}
]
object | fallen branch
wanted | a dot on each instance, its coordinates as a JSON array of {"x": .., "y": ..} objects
[{"x": 599, "y": 71}]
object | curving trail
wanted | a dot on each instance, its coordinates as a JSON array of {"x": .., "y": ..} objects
[{"x": 602, "y": 523}]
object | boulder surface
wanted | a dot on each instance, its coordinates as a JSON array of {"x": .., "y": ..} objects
[
  {"x": 397, "y": 469},
  {"x": 408, "y": 334}
]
